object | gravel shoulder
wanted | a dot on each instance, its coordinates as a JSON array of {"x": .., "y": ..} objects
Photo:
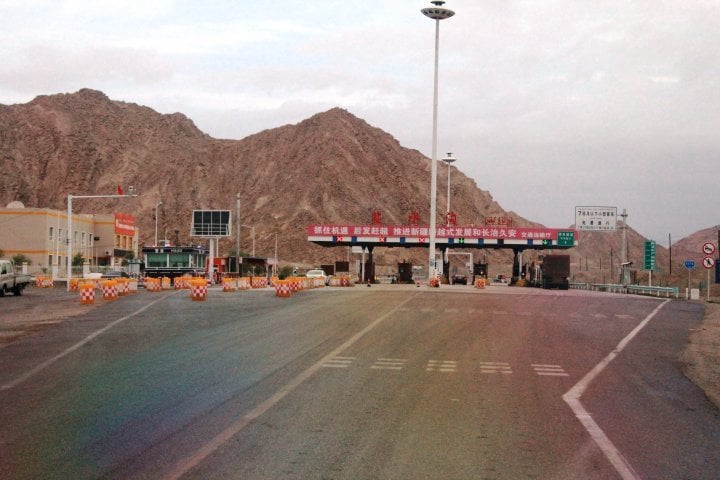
[
  {"x": 39, "y": 308},
  {"x": 701, "y": 359}
]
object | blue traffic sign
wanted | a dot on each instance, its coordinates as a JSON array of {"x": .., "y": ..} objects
[{"x": 689, "y": 264}]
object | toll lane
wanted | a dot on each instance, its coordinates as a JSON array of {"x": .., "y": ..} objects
[{"x": 356, "y": 383}]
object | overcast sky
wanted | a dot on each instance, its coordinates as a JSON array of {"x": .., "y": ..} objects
[{"x": 548, "y": 104}]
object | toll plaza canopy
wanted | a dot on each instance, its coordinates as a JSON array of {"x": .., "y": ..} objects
[{"x": 454, "y": 236}]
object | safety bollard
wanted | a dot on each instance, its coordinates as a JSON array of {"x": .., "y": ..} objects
[
  {"x": 87, "y": 293},
  {"x": 282, "y": 288},
  {"x": 109, "y": 290},
  {"x": 198, "y": 290}
]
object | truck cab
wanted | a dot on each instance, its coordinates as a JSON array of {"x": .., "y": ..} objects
[{"x": 10, "y": 280}]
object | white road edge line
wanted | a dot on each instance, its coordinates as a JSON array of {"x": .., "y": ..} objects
[
  {"x": 572, "y": 398},
  {"x": 187, "y": 464},
  {"x": 82, "y": 342}
]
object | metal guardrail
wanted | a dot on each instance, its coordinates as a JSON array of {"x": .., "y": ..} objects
[{"x": 630, "y": 289}]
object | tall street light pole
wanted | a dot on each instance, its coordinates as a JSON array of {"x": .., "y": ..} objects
[
  {"x": 252, "y": 229},
  {"x": 156, "y": 221},
  {"x": 237, "y": 248},
  {"x": 437, "y": 13},
  {"x": 449, "y": 159}
]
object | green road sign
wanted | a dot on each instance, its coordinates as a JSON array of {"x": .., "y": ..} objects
[
  {"x": 566, "y": 239},
  {"x": 650, "y": 255}
]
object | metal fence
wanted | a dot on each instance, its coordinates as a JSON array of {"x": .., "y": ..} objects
[{"x": 629, "y": 289}]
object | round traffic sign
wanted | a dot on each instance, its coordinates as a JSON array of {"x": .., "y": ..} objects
[
  {"x": 708, "y": 248},
  {"x": 708, "y": 262}
]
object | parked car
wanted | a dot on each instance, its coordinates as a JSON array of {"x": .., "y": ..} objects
[
  {"x": 115, "y": 274},
  {"x": 500, "y": 280},
  {"x": 459, "y": 278},
  {"x": 318, "y": 273}
]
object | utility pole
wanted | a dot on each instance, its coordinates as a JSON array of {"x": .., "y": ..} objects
[
  {"x": 237, "y": 248},
  {"x": 624, "y": 273}
]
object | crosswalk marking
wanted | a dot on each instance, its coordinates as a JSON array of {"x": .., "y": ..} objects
[
  {"x": 389, "y": 364},
  {"x": 444, "y": 366},
  {"x": 495, "y": 367},
  {"x": 448, "y": 366},
  {"x": 549, "y": 370}
]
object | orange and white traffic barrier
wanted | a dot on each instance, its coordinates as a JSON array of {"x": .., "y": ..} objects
[
  {"x": 283, "y": 288},
  {"x": 166, "y": 283},
  {"x": 109, "y": 290},
  {"x": 87, "y": 293},
  {"x": 244, "y": 283},
  {"x": 132, "y": 285},
  {"x": 198, "y": 290},
  {"x": 258, "y": 282},
  {"x": 152, "y": 284},
  {"x": 295, "y": 284},
  {"x": 74, "y": 284},
  {"x": 122, "y": 286},
  {"x": 480, "y": 283},
  {"x": 229, "y": 284}
]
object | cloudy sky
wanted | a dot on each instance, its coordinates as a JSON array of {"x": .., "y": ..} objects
[{"x": 548, "y": 104}]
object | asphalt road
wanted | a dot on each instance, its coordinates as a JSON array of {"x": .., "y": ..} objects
[{"x": 362, "y": 383}]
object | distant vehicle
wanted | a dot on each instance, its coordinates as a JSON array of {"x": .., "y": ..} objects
[
  {"x": 500, "y": 280},
  {"x": 115, "y": 274},
  {"x": 459, "y": 278},
  {"x": 318, "y": 273},
  {"x": 10, "y": 280},
  {"x": 555, "y": 272}
]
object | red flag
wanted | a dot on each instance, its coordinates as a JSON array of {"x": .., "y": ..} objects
[{"x": 120, "y": 190}]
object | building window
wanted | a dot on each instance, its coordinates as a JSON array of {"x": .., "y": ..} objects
[
  {"x": 50, "y": 257},
  {"x": 51, "y": 233}
]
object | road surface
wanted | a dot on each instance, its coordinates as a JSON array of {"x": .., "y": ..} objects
[{"x": 361, "y": 383}]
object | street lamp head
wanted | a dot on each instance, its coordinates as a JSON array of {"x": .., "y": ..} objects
[
  {"x": 437, "y": 12},
  {"x": 449, "y": 158}
]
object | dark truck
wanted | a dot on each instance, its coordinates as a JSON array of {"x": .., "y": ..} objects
[
  {"x": 555, "y": 272},
  {"x": 10, "y": 280}
]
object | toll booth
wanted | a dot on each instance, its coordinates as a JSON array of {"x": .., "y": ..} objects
[
  {"x": 405, "y": 272},
  {"x": 480, "y": 270}
]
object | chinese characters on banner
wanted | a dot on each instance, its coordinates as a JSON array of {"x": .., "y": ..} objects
[{"x": 414, "y": 231}]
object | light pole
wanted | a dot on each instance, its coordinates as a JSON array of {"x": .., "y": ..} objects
[
  {"x": 253, "y": 237},
  {"x": 449, "y": 159},
  {"x": 436, "y": 13},
  {"x": 237, "y": 248},
  {"x": 68, "y": 260},
  {"x": 156, "y": 221}
]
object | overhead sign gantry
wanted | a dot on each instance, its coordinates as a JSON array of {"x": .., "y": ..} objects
[{"x": 516, "y": 238}]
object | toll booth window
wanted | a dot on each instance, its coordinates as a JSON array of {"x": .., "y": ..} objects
[{"x": 179, "y": 260}]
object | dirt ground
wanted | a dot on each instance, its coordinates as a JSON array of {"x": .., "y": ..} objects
[
  {"x": 39, "y": 308},
  {"x": 701, "y": 359}
]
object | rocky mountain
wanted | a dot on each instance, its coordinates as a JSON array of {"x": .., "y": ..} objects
[{"x": 330, "y": 168}]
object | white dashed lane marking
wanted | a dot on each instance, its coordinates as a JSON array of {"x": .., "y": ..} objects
[
  {"x": 444, "y": 366},
  {"x": 339, "y": 362},
  {"x": 495, "y": 367},
  {"x": 549, "y": 370},
  {"x": 389, "y": 364}
]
